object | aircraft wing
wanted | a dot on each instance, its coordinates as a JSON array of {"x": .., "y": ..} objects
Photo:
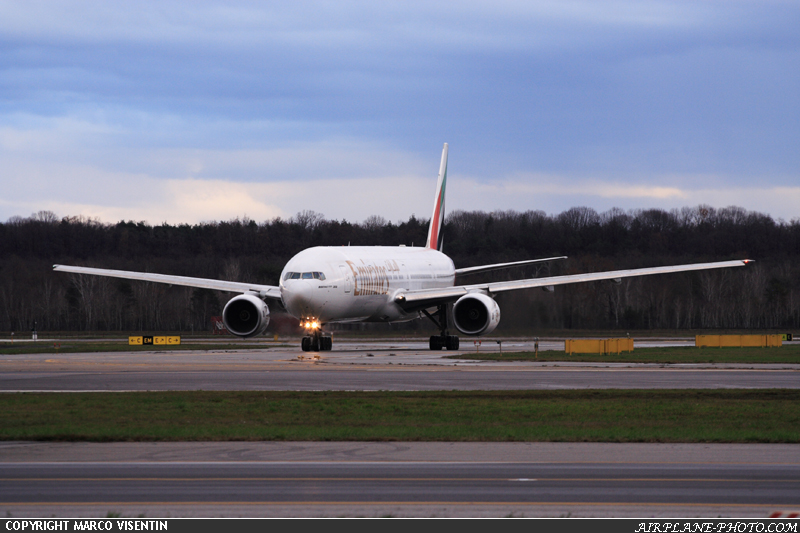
[
  {"x": 264, "y": 291},
  {"x": 420, "y": 299},
  {"x": 498, "y": 266}
]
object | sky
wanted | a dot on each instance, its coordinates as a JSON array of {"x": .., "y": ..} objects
[{"x": 182, "y": 112}]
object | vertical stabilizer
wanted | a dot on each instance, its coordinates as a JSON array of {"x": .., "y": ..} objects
[{"x": 437, "y": 219}]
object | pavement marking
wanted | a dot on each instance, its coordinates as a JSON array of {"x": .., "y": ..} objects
[
  {"x": 388, "y": 462},
  {"x": 397, "y": 479}
]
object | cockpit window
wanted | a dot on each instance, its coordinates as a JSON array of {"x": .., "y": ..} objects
[{"x": 304, "y": 275}]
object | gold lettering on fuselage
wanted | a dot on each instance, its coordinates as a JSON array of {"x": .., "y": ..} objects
[{"x": 369, "y": 280}]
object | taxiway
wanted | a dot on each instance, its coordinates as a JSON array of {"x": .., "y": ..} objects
[{"x": 376, "y": 365}]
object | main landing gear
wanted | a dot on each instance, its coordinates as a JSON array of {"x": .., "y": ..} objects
[
  {"x": 449, "y": 342},
  {"x": 443, "y": 340}
]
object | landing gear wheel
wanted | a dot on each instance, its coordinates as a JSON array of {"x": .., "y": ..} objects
[
  {"x": 436, "y": 342},
  {"x": 316, "y": 343},
  {"x": 451, "y": 342}
]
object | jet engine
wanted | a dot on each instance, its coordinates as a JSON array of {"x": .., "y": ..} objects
[
  {"x": 246, "y": 315},
  {"x": 476, "y": 314}
]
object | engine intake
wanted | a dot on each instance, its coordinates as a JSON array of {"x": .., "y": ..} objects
[
  {"x": 246, "y": 315},
  {"x": 476, "y": 314}
]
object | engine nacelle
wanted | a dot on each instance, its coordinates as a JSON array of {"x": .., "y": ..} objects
[
  {"x": 476, "y": 314},
  {"x": 246, "y": 315}
]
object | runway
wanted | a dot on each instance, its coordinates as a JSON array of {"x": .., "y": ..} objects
[
  {"x": 361, "y": 379},
  {"x": 399, "y": 479}
]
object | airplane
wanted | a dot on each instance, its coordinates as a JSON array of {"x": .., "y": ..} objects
[{"x": 325, "y": 285}]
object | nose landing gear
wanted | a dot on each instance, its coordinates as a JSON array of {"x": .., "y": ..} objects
[{"x": 316, "y": 342}]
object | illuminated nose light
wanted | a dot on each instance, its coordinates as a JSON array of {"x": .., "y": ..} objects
[{"x": 310, "y": 324}]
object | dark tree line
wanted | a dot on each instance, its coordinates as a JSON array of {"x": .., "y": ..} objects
[{"x": 763, "y": 295}]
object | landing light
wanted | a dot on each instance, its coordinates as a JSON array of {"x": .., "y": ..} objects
[{"x": 311, "y": 324}]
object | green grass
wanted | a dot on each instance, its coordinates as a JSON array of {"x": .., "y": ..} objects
[
  {"x": 598, "y": 415},
  {"x": 691, "y": 354}
]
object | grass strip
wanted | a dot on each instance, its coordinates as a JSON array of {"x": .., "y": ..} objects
[
  {"x": 578, "y": 416},
  {"x": 669, "y": 355}
]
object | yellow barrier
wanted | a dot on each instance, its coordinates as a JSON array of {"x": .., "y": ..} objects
[
  {"x": 604, "y": 346},
  {"x": 147, "y": 340},
  {"x": 738, "y": 341}
]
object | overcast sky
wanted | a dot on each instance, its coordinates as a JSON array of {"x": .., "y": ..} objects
[{"x": 187, "y": 111}]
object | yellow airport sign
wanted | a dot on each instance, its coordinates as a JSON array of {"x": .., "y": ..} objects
[{"x": 147, "y": 340}]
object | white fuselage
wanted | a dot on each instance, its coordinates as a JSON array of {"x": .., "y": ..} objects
[{"x": 360, "y": 282}]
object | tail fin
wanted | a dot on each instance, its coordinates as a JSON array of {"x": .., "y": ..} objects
[{"x": 437, "y": 219}]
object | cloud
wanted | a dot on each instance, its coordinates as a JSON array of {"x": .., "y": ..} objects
[
  {"x": 83, "y": 174},
  {"x": 545, "y": 104},
  {"x": 192, "y": 201},
  {"x": 554, "y": 194},
  {"x": 393, "y": 193},
  {"x": 318, "y": 22},
  {"x": 538, "y": 184}
]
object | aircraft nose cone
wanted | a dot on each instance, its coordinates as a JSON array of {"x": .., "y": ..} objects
[{"x": 298, "y": 297}]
